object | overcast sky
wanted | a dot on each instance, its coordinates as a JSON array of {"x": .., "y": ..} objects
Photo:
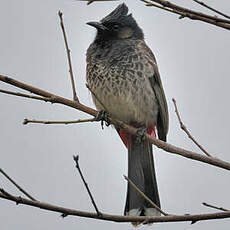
[{"x": 193, "y": 59}]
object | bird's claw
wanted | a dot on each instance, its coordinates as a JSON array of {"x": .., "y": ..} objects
[
  {"x": 103, "y": 117},
  {"x": 140, "y": 134}
]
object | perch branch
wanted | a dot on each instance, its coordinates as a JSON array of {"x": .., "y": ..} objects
[
  {"x": 144, "y": 196},
  {"x": 50, "y": 97},
  {"x": 76, "y": 159},
  {"x": 115, "y": 218},
  {"x": 14, "y": 183},
  {"x": 75, "y": 98},
  {"x": 184, "y": 128},
  {"x": 160, "y": 144}
]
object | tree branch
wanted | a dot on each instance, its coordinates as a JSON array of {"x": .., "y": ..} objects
[
  {"x": 76, "y": 159},
  {"x": 75, "y": 98},
  {"x": 183, "y": 127},
  {"x": 215, "y": 207},
  {"x": 187, "y": 13},
  {"x": 14, "y": 183},
  {"x": 24, "y": 95},
  {"x": 27, "y": 121},
  {"x": 50, "y": 97},
  {"x": 114, "y": 218},
  {"x": 160, "y": 144},
  {"x": 212, "y": 9},
  {"x": 91, "y": 1}
]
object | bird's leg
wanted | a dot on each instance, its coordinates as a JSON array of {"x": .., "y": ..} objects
[
  {"x": 140, "y": 134},
  {"x": 103, "y": 117}
]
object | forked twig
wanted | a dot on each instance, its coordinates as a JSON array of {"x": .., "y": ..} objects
[
  {"x": 14, "y": 183},
  {"x": 211, "y": 8},
  {"x": 27, "y": 121},
  {"x": 75, "y": 98},
  {"x": 76, "y": 159},
  {"x": 183, "y": 127},
  {"x": 144, "y": 196},
  {"x": 215, "y": 207}
]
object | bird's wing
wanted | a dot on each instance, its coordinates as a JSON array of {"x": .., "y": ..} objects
[{"x": 155, "y": 81}]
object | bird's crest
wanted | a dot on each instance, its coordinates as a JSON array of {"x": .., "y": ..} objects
[{"x": 116, "y": 15}]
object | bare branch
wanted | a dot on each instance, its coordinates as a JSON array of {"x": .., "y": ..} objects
[
  {"x": 75, "y": 98},
  {"x": 170, "y": 5},
  {"x": 211, "y": 8},
  {"x": 76, "y": 159},
  {"x": 215, "y": 207},
  {"x": 160, "y": 144},
  {"x": 27, "y": 121},
  {"x": 91, "y": 1},
  {"x": 187, "y": 13},
  {"x": 14, "y": 183},
  {"x": 24, "y": 95},
  {"x": 144, "y": 196},
  {"x": 183, "y": 127},
  {"x": 51, "y": 97},
  {"x": 115, "y": 218}
]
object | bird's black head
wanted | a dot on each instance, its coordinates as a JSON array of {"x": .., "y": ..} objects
[{"x": 117, "y": 25}]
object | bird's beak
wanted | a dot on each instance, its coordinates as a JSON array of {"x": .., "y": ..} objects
[{"x": 97, "y": 25}]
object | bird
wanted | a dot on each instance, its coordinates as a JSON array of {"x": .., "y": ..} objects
[{"x": 123, "y": 77}]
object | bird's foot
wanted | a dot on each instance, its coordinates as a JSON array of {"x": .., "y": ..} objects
[
  {"x": 140, "y": 134},
  {"x": 103, "y": 116}
]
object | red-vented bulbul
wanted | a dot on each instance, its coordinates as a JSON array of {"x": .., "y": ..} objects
[{"x": 122, "y": 72}]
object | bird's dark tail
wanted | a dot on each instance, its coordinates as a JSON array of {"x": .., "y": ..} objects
[{"x": 141, "y": 172}]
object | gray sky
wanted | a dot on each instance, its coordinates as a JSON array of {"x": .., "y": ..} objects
[{"x": 193, "y": 60}]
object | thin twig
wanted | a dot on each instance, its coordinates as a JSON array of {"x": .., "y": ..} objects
[
  {"x": 13, "y": 182},
  {"x": 187, "y": 13},
  {"x": 91, "y": 1},
  {"x": 160, "y": 144},
  {"x": 24, "y": 95},
  {"x": 170, "y": 5},
  {"x": 5, "y": 193},
  {"x": 76, "y": 159},
  {"x": 211, "y": 8},
  {"x": 215, "y": 207},
  {"x": 183, "y": 127},
  {"x": 116, "y": 218},
  {"x": 27, "y": 121},
  {"x": 75, "y": 98},
  {"x": 144, "y": 196}
]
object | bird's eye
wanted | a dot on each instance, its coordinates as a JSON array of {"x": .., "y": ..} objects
[{"x": 115, "y": 27}]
